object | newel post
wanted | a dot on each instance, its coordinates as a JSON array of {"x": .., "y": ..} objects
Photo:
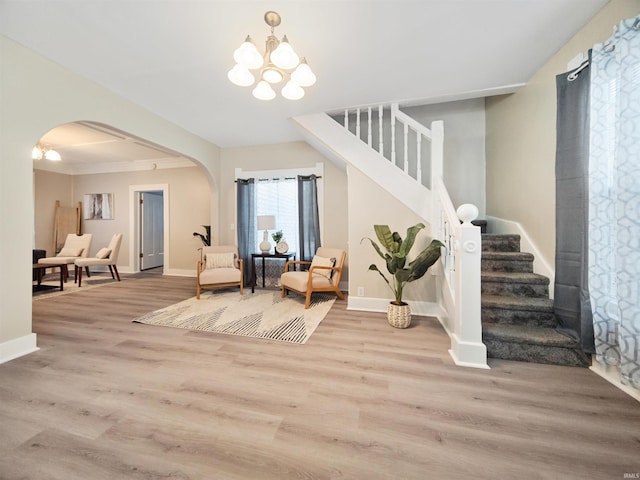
[{"x": 466, "y": 346}]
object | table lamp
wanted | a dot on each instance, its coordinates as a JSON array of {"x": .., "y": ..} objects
[{"x": 266, "y": 223}]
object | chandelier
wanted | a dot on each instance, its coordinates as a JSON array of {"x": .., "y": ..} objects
[
  {"x": 38, "y": 153},
  {"x": 279, "y": 63}
]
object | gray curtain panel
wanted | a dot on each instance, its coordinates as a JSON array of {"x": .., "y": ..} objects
[
  {"x": 246, "y": 223},
  {"x": 308, "y": 218},
  {"x": 571, "y": 296}
]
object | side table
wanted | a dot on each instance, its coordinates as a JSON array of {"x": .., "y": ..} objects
[{"x": 263, "y": 256}]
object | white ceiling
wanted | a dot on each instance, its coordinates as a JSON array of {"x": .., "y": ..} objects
[
  {"x": 172, "y": 56},
  {"x": 88, "y": 147}
]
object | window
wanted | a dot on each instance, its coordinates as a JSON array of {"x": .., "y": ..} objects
[{"x": 279, "y": 197}]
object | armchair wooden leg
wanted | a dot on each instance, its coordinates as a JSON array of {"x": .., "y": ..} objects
[
  {"x": 111, "y": 270},
  {"x": 284, "y": 292},
  {"x": 307, "y": 302},
  {"x": 115, "y": 269},
  {"x": 87, "y": 270},
  {"x": 79, "y": 273},
  {"x": 198, "y": 291}
]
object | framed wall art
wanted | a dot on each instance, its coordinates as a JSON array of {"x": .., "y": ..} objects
[{"x": 98, "y": 206}]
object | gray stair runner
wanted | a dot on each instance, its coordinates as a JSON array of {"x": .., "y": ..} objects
[{"x": 518, "y": 322}]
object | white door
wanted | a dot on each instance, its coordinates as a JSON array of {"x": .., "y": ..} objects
[{"x": 151, "y": 230}]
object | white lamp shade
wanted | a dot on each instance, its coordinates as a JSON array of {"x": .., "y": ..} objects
[
  {"x": 263, "y": 91},
  {"x": 292, "y": 91},
  {"x": 248, "y": 55},
  {"x": 266, "y": 222},
  {"x": 303, "y": 75},
  {"x": 241, "y": 76},
  {"x": 284, "y": 56}
]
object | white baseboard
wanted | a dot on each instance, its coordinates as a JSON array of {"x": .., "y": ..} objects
[
  {"x": 540, "y": 265},
  {"x": 18, "y": 347},
  {"x": 178, "y": 272},
  {"x": 368, "y": 304}
]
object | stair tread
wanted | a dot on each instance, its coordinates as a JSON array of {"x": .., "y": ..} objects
[
  {"x": 530, "y": 335},
  {"x": 519, "y": 277},
  {"x": 501, "y": 255},
  {"x": 496, "y": 236},
  {"x": 518, "y": 303}
]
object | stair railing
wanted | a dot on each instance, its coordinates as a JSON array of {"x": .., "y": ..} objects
[
  {"x": 378, "y": 127},
  {"x": 459, "y": 289}
]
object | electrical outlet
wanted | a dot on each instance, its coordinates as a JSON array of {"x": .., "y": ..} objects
[{"x": 361, "y": 291}]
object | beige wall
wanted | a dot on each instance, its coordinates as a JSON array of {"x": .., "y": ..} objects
[
  {"x": 49, "y": 187},
  {"x": 369, "y": 205},
  {"x": 521, "y": 137},
  {"x": 30, "y": 83},
  {"x": 189, "y": 209}
]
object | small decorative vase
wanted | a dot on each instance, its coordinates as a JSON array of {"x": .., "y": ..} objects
[{"x": 399, "y": 316}]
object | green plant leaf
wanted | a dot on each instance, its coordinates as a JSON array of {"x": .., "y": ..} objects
[
  {"x": 425, "y": 260},
  {"x": 396, "y": 258},
  {"x": 387, "y": 238}
]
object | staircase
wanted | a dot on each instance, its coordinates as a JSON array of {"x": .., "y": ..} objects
[{"x": 518, "y": 322}]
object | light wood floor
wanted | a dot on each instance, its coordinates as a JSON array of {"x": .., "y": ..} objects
[{"x": 106, "y": 398}]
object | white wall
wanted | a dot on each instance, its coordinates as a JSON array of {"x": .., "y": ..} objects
[
  {"x": 30, "y": 83},
  {"x": 521, "y": 137}
]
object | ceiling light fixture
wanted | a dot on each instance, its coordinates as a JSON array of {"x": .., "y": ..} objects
[
  {"x": 38, "y": 153},
  {"x": 278, "y": 63}
]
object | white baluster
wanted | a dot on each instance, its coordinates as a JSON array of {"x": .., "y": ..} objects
[
  {"x": 369, "y": 140},
  {"x": 358, "y": 122},
  {"x": 393, "y": 137},
  {"x": 346, "y": 119},
  {"x": 418, "y": 156},
  {"x": 406, "y": 148},
  {"x": 380, "y": 146}
]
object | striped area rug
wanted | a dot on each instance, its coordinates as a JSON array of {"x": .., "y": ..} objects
[{"x": 263, "y": 314}]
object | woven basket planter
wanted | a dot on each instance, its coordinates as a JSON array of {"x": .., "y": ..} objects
[{"x": 399, "y": 316}]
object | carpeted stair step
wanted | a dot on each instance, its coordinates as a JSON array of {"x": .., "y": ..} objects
[
  {"x": 507, "y": 262},
  {"x": 500, "y": 242},
  {"x": 526, "y": 311},
  {"x": 514, "y": 284},
  {"x": 532, "y": 344}
]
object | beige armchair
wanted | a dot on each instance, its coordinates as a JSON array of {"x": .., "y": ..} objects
[
  {"x": 75, "y": 247},
  {"x": 219, "y": 267},
  {"x": 107, "y": 256},
  {"x": 323, "y": 275}
]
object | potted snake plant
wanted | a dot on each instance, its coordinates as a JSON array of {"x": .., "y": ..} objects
[{"x": 395, "y": 257}]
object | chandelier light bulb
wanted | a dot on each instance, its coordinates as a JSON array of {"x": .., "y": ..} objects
[
  {"x": 272, "y": 74},
  {"x": 241, "y": 76},
  {"x": 52, "y": 155},
  {"x": 37, "y": 153},
  {"x": 248, "y": 55},
  {"x": 263, "y": 91},
  {"x": 292, "y": 91},
  {"x": 284, "y": 56},
  {"x": 303, "y": 75}
]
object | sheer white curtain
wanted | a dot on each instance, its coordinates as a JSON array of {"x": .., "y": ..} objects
[
  {"x": 279, "y": 197},
  {"x": 614, "y": 200}
]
